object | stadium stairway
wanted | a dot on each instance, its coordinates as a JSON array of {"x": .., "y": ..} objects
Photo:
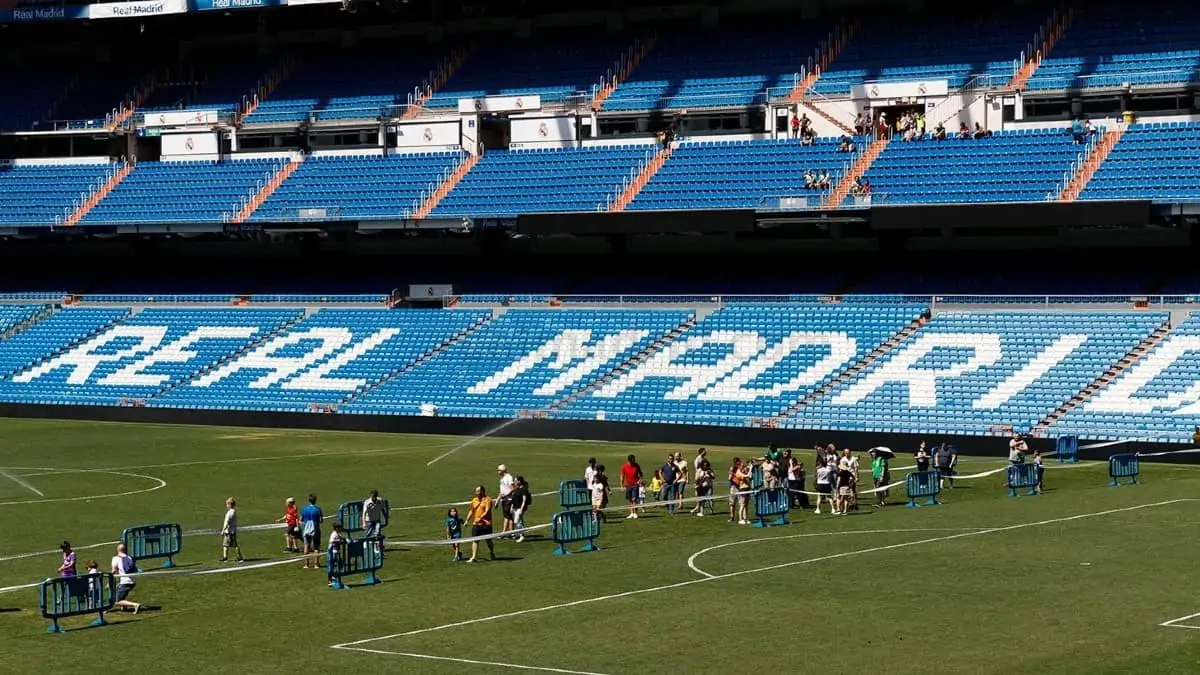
[
  {"x": 859, "y": 169},
  {"x": 444, "y": 71},
  {"x": 256, "y": 200},
  {"x": 1085, "y": 169},
  {"x": 810, "y": 104},
  {"x": 625, "y": 366},
  {"x": 417, "y": 363},
  {"x": 630, "y": 191},
  {"x": 433, "y": 199},
  {"x": 858, "y": 367},
  {"x": 267, "y": 86},
  {"x": 628, "y": 62},
  {"x": 98, "y": 195},
  {"x": 1056, "y": 25},
  {"x": 827, "y": 52},
  {"x": 1104, "y": 379}
]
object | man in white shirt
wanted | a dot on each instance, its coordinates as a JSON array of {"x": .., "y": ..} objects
[
  {"x": 123, "y": 567},
  {"x": 372, "y": 515},
  {"x": 1017, "y": 449},
  {"x": 229, "y": 531},
  {"x": 590, "y": 472},
  {"x": 507, "y": 485}
]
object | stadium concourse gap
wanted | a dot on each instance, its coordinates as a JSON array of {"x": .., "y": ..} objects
[{"x": 358, "y": 645}]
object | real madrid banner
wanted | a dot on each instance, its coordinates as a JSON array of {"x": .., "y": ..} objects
[
  {"x": 496, "y": 104},
  {"x": 184, "y": 118}
]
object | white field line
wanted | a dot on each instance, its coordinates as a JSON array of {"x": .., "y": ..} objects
[
  {"x": 757, "y": 570},
  {"x": 22, "y": 482},
  {"x": 1177, "y": 623},
  {"x": 472, "y": 662},
  {"x": 159, "y": 484}
]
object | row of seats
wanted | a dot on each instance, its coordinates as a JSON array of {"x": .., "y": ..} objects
[
  {"x": 958, "y": 372},
  {"x": 734, "y": 64},
  {"x": 1149, "y": 162}
]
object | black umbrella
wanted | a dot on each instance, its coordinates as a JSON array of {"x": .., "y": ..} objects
[{"x": 882, "y": 452}]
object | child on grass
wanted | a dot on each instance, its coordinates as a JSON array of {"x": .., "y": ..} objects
[
  {"x": 454, "y": 532},
  {"x": 656, "y": 485}
]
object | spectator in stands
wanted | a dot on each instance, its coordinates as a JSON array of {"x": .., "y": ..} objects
[
  {"x": 808, "y": 136},
  {"x": 805, "y": 124},
  {"x": 847, "y": 144},
  {"x": 795, "y": 127},
  {"x": 920, "y": 126},
  {"x": 939, "y": 132},
  {"x": 862, "y": 123},
  {"x": 504, "y": 493},
  {"x": 810, "y": 179},
  {"x": 964, "y": 132},
  {"x": 631, "y": 479},
  {"x": 883, "y": 129},
  {"x": 1077, "y": 131},
  {"x": 291, "y": 521},
  {"x": 945, "y": 459},
  {"x": 1089, "y": 129},
  {"x": 823, "y": 180},
  {"x": 980, "y": 132}
]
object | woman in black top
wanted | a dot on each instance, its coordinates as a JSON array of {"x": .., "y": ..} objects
[{"x": 922, "y": 458}]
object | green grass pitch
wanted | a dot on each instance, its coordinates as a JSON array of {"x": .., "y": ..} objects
[{"x": 1077, "y": 580}]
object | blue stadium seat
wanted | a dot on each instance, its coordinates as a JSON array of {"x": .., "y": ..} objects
[
  {"x": 371, "y": 187},
  {"x": 38, "y": 195},
  {"x": 165, "y": 192},
  {"x": 1150, "y": 162}
]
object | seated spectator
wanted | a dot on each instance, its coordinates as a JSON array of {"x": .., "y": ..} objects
[
  {"x": 964, "y": 131},
  {"x": 980, "y": 132},
  {"x": 847, "y": 144},
  {"x": 920, "y": 126},
  {"x": 808, "y": 137},
  {"x": 1089, "y": 129},
  {"x": 823, "y": 181},
  {"x": 1077, "y": 131},
  {"x": 939, "y": 132},
  {"x": 810, "y": 179}
]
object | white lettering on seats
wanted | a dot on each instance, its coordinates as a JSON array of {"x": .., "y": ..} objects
[
  {"x": 282, "y": 367},
  {"x": 1051, "y": 356},
  {"x": 83, "y": 360},
  {"x": 922, "y": 382},
  {"x": 561, "y": 350},
  {"x": 174, "y": 352},
  {"x": 1118, "y": 397},
  {"x": 316, "y": 380},
  {"x": 842, "y": 349},
  {"x": 696, "y": 377}
]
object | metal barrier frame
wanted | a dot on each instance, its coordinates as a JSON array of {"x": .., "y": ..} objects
[
  {"x": 1125, "y": 465},
  {"x": 557, "y": 538},
  {"x": 919, "y": 484},
  {"x": 1027, "y": 472},
  {"x": 80, "y": 595},
  {"x": 175, "y": 530}
]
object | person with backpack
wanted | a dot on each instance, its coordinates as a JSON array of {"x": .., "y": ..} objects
[
  {"x": 310, "y": 530},
  {"x": 124, "y": 567}
]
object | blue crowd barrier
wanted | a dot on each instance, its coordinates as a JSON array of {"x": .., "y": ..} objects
[
  {"x": 568, "y": 527},
  {"x": 573, "y": 494},
  {"x": 148, "y": 542},
  {"x": 757, "y": 480},
  {"x": 359, "y": 556},
  {"x": 1066, "y": 449},
  {"x": 350, "y": 515},
  {"x": 1124, "y": 466},
  {"x": 1021, "y": 476},
  {"x": 772, "y": 504},
  {"x": 65, "y": 597},
  {"x": 922, "y": 485}
]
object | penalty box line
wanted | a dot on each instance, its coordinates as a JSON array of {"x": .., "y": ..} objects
[
  {"x": 1178, "y": 623},
  {"x": 353, "y": 646}
]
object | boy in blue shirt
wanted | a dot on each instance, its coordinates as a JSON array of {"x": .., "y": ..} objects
[
  {"x": 454, "y": 531},
  {"x": 310, "y": 528}
]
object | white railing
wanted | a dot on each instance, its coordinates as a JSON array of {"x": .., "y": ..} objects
[
  {"x": 615, "y": 196},
  {"x": 931, "y": 301},
  {"x": 1077, "y": 164}
]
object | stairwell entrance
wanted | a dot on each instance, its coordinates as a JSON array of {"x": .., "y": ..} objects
[
  {"x": 895, "y": 112},
  {"x": 494, "y": 132}
]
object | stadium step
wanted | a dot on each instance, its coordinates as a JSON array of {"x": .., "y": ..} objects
[
  {"x": 827, "y": 51},
  {"x": 630, "y": 192},
  {"x": 453, "y": 340},
  {"x": 859, "y": 169},
  {"x": 858, "y": 367},
  {"x": 243, "y": 214},
  {"x": 1087, "y": 168},
  {"x": 621, "y": 70},
  {"x": 431, "y": 200},
  {"x": 810, "y": 105},
  {"x": 1104, "y": 379},
  {"x": 1048, "y": 36},
  {"x": 98, "y": 194},
  {"x": 625, "y": 366},
  {"x": 436, "y": 80},
  {"x": 267, "y": 86}
]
